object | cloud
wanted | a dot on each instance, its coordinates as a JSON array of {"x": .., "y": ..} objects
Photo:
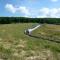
[
  {"x": 42, "y": 12},
  {"x": 24, "y": 10},
  {"x": 54, "y": 0},
  {"x": 10, "y": 8},
  {"x": 51, "y": 13},
  {"x": 20, "y": 9}
]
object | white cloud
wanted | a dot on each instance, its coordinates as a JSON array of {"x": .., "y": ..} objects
[
  {"x": 54, "y": 0},
  {"x": 52, "y": 13},
  {"x": 24, "y": 10},
  {"x": 42, "y": 16},
  {"x": 43, "y": 12},
  {"x": 10, "y": 8},
  {"x": 20, "y": 9}
]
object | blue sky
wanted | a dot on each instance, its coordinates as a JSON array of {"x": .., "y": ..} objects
[{"x": 30, "y": 8}]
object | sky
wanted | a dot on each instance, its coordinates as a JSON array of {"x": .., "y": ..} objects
[{"x": 30, "y": 8}]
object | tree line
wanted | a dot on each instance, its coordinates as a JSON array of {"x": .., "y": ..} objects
[{"x": 8, "y": 20}]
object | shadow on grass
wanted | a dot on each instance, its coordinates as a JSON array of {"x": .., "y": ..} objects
[{"x": 53, "y": 40}]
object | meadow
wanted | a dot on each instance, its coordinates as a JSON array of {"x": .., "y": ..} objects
[{"x": 43, "y": 44}]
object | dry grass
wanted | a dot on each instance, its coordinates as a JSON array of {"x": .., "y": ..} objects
[{"x": 15, "y": 45}]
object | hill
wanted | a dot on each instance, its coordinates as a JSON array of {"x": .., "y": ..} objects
[{"x": 15, "y": 45}]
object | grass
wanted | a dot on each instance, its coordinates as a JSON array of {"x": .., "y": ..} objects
[{"x": 15, "y": 45}]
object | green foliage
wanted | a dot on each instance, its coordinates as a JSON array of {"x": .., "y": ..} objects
[{"x": 7, "y": 20}]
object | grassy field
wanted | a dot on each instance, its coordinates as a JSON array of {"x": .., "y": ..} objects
[{"x": 43, "y": 44}]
